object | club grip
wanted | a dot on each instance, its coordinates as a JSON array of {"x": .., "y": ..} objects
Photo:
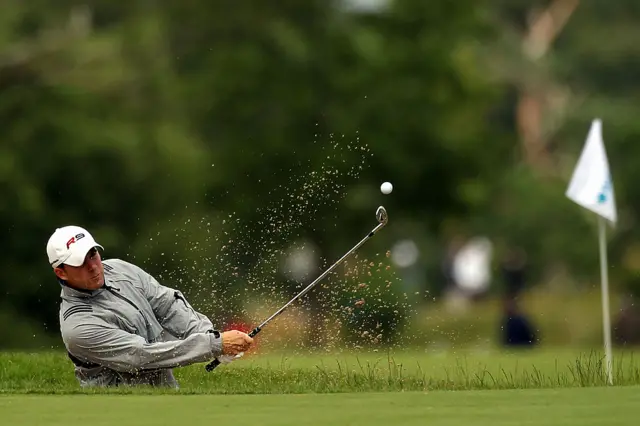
[
  {"x": 213, "y": 364},
  {"x": 216, "y": 362}
]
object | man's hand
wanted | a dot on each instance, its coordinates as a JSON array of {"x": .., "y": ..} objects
[{"x": 235, "y": 342}]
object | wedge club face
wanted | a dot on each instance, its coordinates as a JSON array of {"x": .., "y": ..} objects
[{"x": 381, "y": 215}]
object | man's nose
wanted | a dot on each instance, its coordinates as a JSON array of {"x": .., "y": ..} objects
[{"x": 93, "y": 264}]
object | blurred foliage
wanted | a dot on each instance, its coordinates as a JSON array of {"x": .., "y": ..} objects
[{"x": 203, "y": 140}]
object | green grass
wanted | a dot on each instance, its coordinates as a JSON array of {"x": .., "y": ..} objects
[
  {"x": 52, "y": 373},
  {"x": 540, "y": 387},
  {"x": 616, "y": 406}
]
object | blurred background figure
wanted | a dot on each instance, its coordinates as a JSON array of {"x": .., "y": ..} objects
[
  {"x": 626, "y": 326},
  {"x": 513, "y": 268},
  {"x": 468, "y": 271},
  {"x": 472, "y": 267},
  {"x": 516, "y": 327}
]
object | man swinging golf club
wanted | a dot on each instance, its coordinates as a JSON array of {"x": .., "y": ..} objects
[{"x": 120, "y": 326}]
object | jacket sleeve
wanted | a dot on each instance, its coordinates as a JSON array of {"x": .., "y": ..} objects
[
  {"x": 94, "y": 340},
  {"x": 172, "y": 309}
]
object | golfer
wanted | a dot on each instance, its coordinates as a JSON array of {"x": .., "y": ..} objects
[{"x": 120, "y": 326}]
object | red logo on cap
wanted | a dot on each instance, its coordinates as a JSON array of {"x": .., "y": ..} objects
[{"x": 74, "y": 239}]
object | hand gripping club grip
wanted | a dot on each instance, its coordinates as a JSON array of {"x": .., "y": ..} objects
[{"x": 216, "y": 362}]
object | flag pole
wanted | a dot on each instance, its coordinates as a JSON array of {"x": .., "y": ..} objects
[
  {"x": 606, "y": 321},
  {"x": 591, "y": 187}
]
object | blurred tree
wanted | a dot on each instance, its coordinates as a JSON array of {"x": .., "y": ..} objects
[
  {"x": 572, "y": 77},
  {"x": 91, "y": 136},
  {"x": 203, "y": 140},
  {"x": 393, "y": 92}
]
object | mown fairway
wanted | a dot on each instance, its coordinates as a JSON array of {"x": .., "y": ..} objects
[{"x": 567, "y": 407}]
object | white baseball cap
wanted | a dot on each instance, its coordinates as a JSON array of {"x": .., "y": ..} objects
[{"x": 70, "y": 245}]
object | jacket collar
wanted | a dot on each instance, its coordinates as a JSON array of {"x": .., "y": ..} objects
[{"x": 74, "y": 292}]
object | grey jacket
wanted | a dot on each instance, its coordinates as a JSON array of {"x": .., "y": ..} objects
[{"x": 133, "y": 330}]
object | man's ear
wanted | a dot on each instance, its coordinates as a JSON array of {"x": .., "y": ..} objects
[{"x": 60, "y": 273}]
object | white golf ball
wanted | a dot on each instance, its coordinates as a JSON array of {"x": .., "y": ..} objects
[{"x": 386, "y": 188}]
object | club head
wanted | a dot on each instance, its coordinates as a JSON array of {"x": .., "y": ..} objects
[{"x": 381, "y": 215}]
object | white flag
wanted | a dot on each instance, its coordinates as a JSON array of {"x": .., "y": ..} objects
[{"x": 591, "y": 186}]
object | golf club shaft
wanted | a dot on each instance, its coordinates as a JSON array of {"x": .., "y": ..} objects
[
  {"x": 317, "y": 280},
  {"x": 213, "y": 364}
]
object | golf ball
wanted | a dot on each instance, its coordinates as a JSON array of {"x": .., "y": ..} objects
[{"x": 386, "y": 188}]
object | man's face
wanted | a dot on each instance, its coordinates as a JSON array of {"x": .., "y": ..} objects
[{"x": 88, "y": 276}]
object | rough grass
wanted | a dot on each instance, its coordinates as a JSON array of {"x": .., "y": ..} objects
[{"x": 52, "y": 373}]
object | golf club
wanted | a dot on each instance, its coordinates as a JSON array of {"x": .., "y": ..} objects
[{"x": 381, "y": 216}]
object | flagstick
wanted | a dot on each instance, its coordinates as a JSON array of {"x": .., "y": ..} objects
[{"x": 605, "y": 297}]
